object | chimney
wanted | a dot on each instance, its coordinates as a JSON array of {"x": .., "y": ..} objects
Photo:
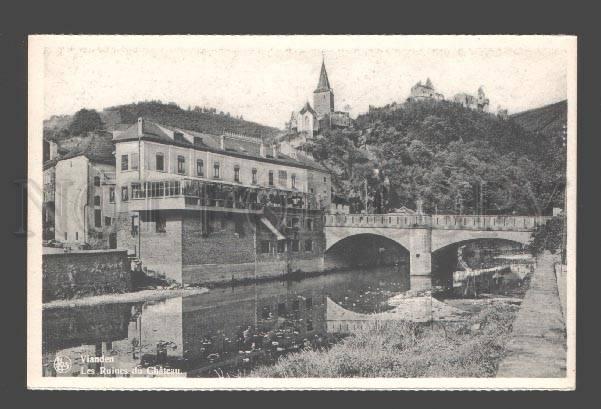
[
  {"x": 53, "y": 150},
  {"x": 222, "y": 142},
  {"x": 274, "y": 150},
  {"x": 262, "y": 149},
  {"x": 140, "y": 126}
]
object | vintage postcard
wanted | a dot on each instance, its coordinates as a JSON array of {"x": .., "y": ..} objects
[{"x": 302, "y": 212}]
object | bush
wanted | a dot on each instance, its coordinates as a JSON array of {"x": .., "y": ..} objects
[
  {"x": 549, "y": 236},
  {"x": 406, "y": 349}
]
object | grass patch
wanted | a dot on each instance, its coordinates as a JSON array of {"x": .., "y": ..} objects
[{"x": 472, "y": 348}]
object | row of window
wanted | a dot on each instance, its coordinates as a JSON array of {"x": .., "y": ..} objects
[
  {"x": 181, "y": 169},
  {"x": 266, "y": 246}
]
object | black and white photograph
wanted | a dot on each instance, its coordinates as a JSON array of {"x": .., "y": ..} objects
[{"x": 302, "y": 212}]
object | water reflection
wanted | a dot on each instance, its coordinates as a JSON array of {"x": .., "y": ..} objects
[
  {"x": 224, "y": 332},
  {"x": 227, "y": 331}
]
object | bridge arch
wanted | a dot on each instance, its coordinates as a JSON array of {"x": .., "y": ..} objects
[
  {"x": 443, "y": 238},
  {"x": 336, "y": 234},
  {"x": 365, "y": 249},
  {"x": 445, "y": 260}
]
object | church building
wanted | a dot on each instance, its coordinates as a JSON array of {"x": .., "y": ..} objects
[{"x": 310, "y": 121}]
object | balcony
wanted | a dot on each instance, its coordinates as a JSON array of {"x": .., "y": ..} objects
[{"x": 198, "y": 195}]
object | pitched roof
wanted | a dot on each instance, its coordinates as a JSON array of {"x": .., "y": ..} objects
[
  {"x": 50, "y": 163},
  {"x": 323, "y": 84},
  {"x": 150, "y": 131},
  {"x": 157, "y": 133},
  {"x": 306, "y": 108},
  {"x": 97, "y": 147}
]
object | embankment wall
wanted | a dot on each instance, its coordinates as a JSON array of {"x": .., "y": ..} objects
[{"x": 76, "y": 274}]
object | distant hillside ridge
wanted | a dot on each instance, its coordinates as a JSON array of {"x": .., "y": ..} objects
[
  {"x": 198, "y": 119},
  {"x": 548, "y": 119}
]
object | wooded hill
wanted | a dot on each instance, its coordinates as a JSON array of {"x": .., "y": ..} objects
[
  {"x": 199, "y": 119},
  {"x": 454, "y": 159},
  {"x": 548, "y": 120}
]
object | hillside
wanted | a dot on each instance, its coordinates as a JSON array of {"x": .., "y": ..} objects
[
  {"x": 58, "y": 122},
  {"x": 455, "y": 159},
  {"x": 198, "y": 119},
  {"x": 548, "y": 119},
  {"x": 209, "y": 121}
]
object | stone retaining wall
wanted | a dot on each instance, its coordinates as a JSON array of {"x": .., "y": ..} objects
[{"x": 83, "y": 273}]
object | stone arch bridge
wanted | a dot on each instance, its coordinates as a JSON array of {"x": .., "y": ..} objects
[{"x": 421, "y": 235}]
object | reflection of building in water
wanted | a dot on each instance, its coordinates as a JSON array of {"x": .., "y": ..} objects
[
  {"x": 227, "y": 329},
  {"x": 88, "y": 330},
  {"x": 65, "y": 328},
  {"x": 272, "y": 323},
  {"x": 195, "y": 333},
  {"x": 155, "y": 333},
  {"x": 123, "y": 336}
]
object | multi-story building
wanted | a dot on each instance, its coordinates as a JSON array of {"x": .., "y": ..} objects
[
  {"x": 50, "y": 154},
  {"x": 204, "y": 208},
  {"x": 48, "y": 203},
  {"x": 84, "y": 206}
]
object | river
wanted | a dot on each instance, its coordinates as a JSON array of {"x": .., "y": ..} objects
[{"x": 225, "y": 332}]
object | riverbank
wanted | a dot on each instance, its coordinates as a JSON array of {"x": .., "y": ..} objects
[
  {"x": 138, "y": 296},
  {"x": 538, "y": 341},
  {"x": 471, "y": 348},
  {"x": 297, "y": 275}
]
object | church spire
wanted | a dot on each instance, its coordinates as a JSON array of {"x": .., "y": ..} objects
[
  {"x": 323, "y": 96},
  {"x": 323, "y": 84}
]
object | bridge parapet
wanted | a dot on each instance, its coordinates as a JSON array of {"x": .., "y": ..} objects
[
  {"x": 448, "y": 222},
  {"x": 378, "y": 220},
  {"x": 509, "y": 223}
]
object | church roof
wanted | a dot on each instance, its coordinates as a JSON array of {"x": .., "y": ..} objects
[
  {"x": 306, "y": 108},
  {"x": 323, "y": 84}
]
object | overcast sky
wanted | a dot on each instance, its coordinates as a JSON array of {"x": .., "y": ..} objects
[{"x": 266, "y": 82}]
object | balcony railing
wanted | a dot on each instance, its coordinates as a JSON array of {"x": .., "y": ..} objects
[{"x": 196, "y": 193}]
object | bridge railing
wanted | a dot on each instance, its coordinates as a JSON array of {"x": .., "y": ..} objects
[
  {"x": 378, "y": 220},
  {"x": 514, "y": 223},
  {"x": 451, "y": 222}
]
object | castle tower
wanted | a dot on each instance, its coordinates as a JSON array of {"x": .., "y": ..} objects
[{"x": 323, "y": 96}]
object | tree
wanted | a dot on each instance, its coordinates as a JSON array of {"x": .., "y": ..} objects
[
  {"x": 548, "y": 236},
  {"x": 84, "y": 121},
  {"x": 442, "y": 152}
]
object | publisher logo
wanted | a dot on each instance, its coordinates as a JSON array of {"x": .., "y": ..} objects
[{"x": 62, "y": 364}]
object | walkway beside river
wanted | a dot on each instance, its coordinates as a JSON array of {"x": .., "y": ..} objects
[{"x": 537, "y": 348}]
